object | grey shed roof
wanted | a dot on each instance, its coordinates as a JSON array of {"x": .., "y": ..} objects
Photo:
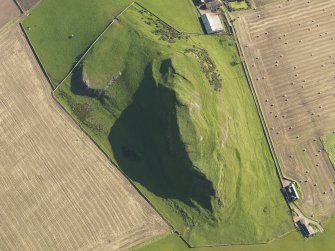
[{"x": 212, "y": 23}]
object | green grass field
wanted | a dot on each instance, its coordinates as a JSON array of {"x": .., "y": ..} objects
[
  {"x": 292, "y": 242},
  {"x": 198, "y": 154},
  {"x": 328, "y": 142},
  {"x": 181, "y": 14},
  {"x": 238, "y": 5},
  {"x": 51, "y": 24}
]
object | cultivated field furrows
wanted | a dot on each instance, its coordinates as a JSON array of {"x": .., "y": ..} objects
[
  {"x": 290, "y": 51},
  {"x": 58, "y": 191},
  {"x": 8, "y": 11}
]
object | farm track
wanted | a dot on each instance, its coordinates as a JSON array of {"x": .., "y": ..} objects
[
  {"x": 289, "y": 48},
  {"x": 58, "y": 191}
]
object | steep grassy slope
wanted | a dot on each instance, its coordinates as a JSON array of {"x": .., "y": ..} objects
[
  {"x": 51, "y": 25},
  {"x": 292, "y": 242},
  {"x": 150, "y": 98}
]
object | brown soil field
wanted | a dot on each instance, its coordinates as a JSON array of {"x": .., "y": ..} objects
[
  {"x": 57, "y": 190},
  {"x": 289, "y": 47},
  {"x": 27, "y": 4},
  {"x": 260, "y": 3},
  {"x": 8, "y": 11}
]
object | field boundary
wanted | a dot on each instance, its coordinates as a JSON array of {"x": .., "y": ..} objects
[
  {"x": 173, "y": 230},
  {"x": 184, "y": 32},
  {"x": 258, "y": 106},
  {"x": 54, "y": 89},
  {"x": 279, "y": 170},
  {"x": 143, "y": 7},
  {"x": 111, "y": 160},
  {"x": 36, "y": 56},
  {"x": 92, "y": 44},
  {"x": 115, "y": 164},
  {"x": 30, "y": 9},
  {"x": 18, "y": 6},
  {"x": 141, "y": 222},
  {"x": 110, "y": 24}
]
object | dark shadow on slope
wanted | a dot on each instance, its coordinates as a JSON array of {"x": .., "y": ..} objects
[
  {"x": 79, "y": 87},
  {"x": 147, "y": 146}
]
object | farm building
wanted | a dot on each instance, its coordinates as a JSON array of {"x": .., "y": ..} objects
[
  {"x": 290, "y": 192},
  {"x": 306, "y": 230},
  {"x": 212, "y": 23},
  {"x": 213, "y": 4}
]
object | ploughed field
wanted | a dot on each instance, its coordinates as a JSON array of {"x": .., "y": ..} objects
[
  {"x": 58, "y": 191},
  {"x": 8, "y": 11},
  {"x": 289, "y": 48}
]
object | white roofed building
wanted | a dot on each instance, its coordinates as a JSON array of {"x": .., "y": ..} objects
[{"x": 212, "y": 23}]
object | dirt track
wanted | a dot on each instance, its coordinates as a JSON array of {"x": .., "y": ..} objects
[
  {"x": 8, "y": 11},
  {"x": 57, "y": 190},
  {"x": 290, "y": 51}
]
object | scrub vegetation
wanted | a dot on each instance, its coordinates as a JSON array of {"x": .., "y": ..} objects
[
  {"x": 182, "y": 15},
  {"x": 196, "y": 151}
]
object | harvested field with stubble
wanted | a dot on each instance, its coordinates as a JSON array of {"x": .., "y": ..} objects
[
  {"x": 8, "y": 11},
  {"x": 289, "y": 48},
  {"x": 57, "y": 190},
  {"x": 27, "y": 4}
]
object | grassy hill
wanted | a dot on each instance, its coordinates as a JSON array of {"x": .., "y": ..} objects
[
  {"x": 181, "y": 14},
  {"x": 180, "y": 121},
  {"x": 52, "y": 23},
  {"x": 292, "y": 242}
]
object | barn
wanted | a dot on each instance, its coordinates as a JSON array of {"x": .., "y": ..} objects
[
  {"x": 305, "y": 229},
  {"x": 290, "y": 192},
  {"x": 212, "y": 23}
]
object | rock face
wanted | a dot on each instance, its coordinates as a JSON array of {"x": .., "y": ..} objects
[
  {"x": 91, "y": 85},
  {"x": 85, "y": 78},
  {"x": 158, "y": 146}
]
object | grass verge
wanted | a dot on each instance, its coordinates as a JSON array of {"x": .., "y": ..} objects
[
  {"x": 292, "y": 242},
  {"x": 328, "y": 142}
]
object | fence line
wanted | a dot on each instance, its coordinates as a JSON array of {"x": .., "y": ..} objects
[
  {"x": 36, "y": 56},
  {"x": 279, "y": 170},
  {"x": 19, "y": 6},
  {"x": 259, "y": 110},
  {"x": 92, "y": 44},
  {"x": 258, "y": 106}
]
